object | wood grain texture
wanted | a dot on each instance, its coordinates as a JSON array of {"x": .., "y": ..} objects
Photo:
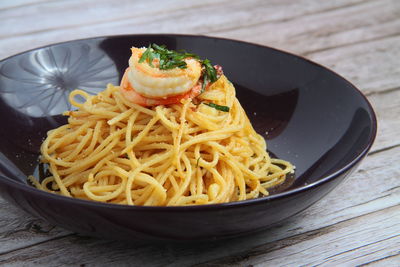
[
  {"x": 19, "y": 229},
  {"x": 353, "y": 22},
  {"x": 41, "y": 23},
  {"x": 367, "y": 192},
  {"x": 11, "y": 4},
  {"x": 371, "y": 66},
  {"x": 387, "y": 108},
  {"x": 322, "y": 32},
  {"x": 358, "y": 223},
  {"x": 353, "y": 242}
]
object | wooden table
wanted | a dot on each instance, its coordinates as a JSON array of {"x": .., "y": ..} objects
[{"x": 358, "y": 223}]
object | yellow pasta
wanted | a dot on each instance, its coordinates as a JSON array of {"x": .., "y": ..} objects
[{"x": 115, "y": 151}]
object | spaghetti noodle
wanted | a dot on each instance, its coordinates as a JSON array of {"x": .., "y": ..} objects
[{"x": 115, "y": 151}]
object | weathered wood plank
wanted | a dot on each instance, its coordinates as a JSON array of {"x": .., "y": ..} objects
[
  {"x": 353, "y": 242},
  {"x": 390, "y": 261},
  {"x": 370, "y": 190},
  {"x": 359, "y": 42},
  {"x": 331, "y": 28},
  {"x": 12, "y": 4},
  {"x": 17, "y": 229},
  {"x": 129, "y": 12},
  {"x": 358, "y": 39},
  {"x": 387, "y": 108},
  {"x": 95, "y": 18},
  {"x": 371, "y": 66}
]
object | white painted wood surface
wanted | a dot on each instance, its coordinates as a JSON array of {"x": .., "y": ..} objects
[{"x": 358, "y": 223}]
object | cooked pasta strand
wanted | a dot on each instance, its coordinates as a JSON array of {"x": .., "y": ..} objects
[{"x": 183, "y": 154}]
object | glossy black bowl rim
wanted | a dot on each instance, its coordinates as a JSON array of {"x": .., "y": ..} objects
[{"x": 235, "y": 204}]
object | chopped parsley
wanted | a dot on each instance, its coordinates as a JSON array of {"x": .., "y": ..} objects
[
  {"x": 170, "y": 59},
  {"x": 217, "y": 107},
  {"x": 197, "y": 162},
  {"x": 209, "y": 74}
]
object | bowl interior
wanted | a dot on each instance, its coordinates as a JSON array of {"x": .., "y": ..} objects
[{"x": 309, "y": 115}]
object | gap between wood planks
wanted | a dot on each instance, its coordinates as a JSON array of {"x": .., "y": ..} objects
[
  {"x": 36, "y": 244},
  {"x": 18, "y": 5},
  {"x": 309, "y": 225},
  {"x": 384, "y": 91},
  {"x": 389, "y": 92},
  {"x": 216, "y": 5},
  {"x": 322, "y": 11},
  {"x": 389, "y": 96},
  {"x": 254, "y": 256},
  {"x": 120, "y": 19},
  {"x": 332, "y": 29},
  {"x": 385, "y": 261},
  {"x": 363, "y": 246},
  {"x": 383, "y": 149},
  {"x": 365, "y": 41},
  {"x": 356, "y": 69},
  {"x": 132, "y": 26}
]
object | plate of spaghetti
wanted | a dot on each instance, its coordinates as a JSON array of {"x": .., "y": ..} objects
[{"x": 174, "y": 136}]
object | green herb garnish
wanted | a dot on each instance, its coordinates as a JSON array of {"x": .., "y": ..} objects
[
  {"x": 197, "y": 162},
  {"x": 170, "y": 59},
  {"x": 149, "y": 56},
  {"x": 217, "y": 107},
  {"x": 209, "y": 74}
]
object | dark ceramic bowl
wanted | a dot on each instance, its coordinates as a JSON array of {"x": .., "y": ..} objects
[{"x": 309, "y": 115}]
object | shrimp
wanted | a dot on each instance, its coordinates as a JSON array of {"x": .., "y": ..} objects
[
  {"x": 150, "y": 81},
  {"x": 148, "y": 85},
  {"x": 130, "y": 94}
]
